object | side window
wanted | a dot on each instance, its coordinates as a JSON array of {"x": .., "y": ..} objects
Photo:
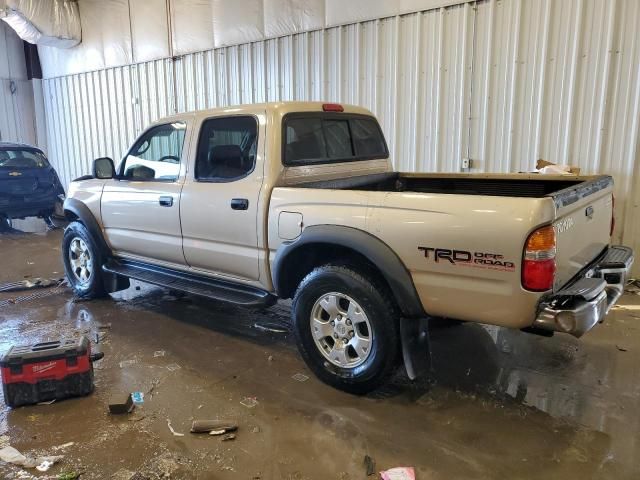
[
  {"x": 156, "y": 155},
  {"x": 227, "y": 148},
  {"x": 314, "y": 139}
]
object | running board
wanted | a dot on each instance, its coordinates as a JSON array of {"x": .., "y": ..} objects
[{"x": 225, "y": 291}]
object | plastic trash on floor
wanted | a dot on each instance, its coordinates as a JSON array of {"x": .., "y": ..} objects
[{"x": 399, "y": 473}]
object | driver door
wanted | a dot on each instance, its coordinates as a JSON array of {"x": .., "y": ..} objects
[{"x": 141, "y": 208}]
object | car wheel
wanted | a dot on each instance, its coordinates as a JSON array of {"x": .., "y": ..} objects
[
  {"x": 346, "y": 328},
  {"x": 82, "y": 262},
  {"x": 5, "y": 223}
]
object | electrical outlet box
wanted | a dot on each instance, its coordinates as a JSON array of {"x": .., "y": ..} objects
[{"x": 466, "y": 164}]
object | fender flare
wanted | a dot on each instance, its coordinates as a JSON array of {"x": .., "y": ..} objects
[
  {"x": 84, "y": 215},
  {"x": 375, "y": 250}
]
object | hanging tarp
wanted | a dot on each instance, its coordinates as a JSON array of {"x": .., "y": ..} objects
[{"x": 55, "y": 23}]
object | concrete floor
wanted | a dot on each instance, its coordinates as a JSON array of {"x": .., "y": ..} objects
[{"x": 499, "y": 404}]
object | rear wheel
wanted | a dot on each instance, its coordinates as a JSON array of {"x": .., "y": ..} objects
[
  {"x": 5, "y": 223},
  {"x": 82, "y": 262},
  {"x": 346, "y": 328}
]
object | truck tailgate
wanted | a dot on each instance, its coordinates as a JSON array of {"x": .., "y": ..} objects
[{"x": 582, "y": 225}]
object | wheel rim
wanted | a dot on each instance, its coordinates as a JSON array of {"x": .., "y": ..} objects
[
  {"x": 341, "y": 330},
  {"x": 80, "y": 261}
]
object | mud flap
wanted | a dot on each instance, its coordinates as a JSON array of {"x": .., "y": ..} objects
[{"x": 416, "y": 348}]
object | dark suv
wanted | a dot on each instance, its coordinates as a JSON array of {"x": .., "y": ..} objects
[{"x": 29, "y": 186}]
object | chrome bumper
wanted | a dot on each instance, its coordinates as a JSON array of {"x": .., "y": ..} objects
[{"x": 577, "y": 308}]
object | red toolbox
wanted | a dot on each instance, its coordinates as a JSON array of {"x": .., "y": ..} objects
[{"x": 47, "y": 371}]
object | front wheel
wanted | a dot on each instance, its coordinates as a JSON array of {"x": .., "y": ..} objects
[
  {"x": 346, "y": 328},
  {"x": 82, "y": 262}
]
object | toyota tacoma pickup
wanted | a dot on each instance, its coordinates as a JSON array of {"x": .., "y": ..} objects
[{"x": 256, "y": 203}]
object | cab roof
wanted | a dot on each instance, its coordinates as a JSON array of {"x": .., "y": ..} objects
[{"x": 278, "y": 108}]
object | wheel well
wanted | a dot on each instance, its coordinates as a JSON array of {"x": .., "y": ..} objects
[
  {"x": 299, "y": 263},
  {"x": 72, "y": 217}
]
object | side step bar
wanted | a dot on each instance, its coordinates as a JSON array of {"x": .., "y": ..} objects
[{"x": 238, "y": 294}]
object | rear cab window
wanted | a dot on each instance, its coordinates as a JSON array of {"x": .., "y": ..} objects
[{"x": 317, "y": 138}]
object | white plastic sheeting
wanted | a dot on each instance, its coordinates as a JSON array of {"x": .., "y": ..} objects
[
  {"x": 119, "y": 32},
  {"x": 16, "y": 92},
  {"x": 503, "y": 83},
  {"x": 53, "y": 22}
]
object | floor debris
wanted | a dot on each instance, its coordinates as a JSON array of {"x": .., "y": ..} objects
[
  {"x": 118, "y": 405},
  {"x": 158, "y": 353},
  {"x": 399, "y": 473},
  {"x": 175, "y": 434},
  {"x": 173, "y": 367},
  {"x": 633, "y": 286},
  {"x": 68, "y": 476},
  {"x": 45, "y": 466},
  {"x": 370, "y": 465},
  {"x": 63, "y": 446},
  {"x": 300, "y": 377},
  {"x": 270, "y": 327},
  {"x": 209, "y": 426},
  {"x": 621, "y": 348},
  {"x": 128, "y": 363},
  {"x": 11, "y": 455},
  {"x": 137, "y": 397},
  {"x": 249, "y": 402},
  {"x": 30, "y": 284},
  {"x": 228, "y": 437}
]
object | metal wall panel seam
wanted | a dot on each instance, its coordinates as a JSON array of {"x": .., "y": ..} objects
[
  {"x": 605, "y": 86},
  {"x": 487, "y": 83},
  {"x": 543, "y": 77},
  {"x": 573, "y": 68},
  {"x": 510, "y": 160}
]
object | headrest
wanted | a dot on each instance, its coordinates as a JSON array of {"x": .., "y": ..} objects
[{"x": 228, "y": 155}]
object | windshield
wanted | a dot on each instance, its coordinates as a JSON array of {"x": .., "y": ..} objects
[{"x": 21, "y": 158}]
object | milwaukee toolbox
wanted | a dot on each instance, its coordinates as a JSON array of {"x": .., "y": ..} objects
[{"x": 47, "y": 371}]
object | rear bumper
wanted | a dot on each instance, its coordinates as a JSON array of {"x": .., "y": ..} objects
[
  {"x": 32, "y": 206},
  {"x": 578, "y": 307}
]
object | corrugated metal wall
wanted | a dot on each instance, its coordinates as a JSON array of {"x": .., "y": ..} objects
[
  {"x": 17, "y": 117},
  {"x": 503, "y": 82}
]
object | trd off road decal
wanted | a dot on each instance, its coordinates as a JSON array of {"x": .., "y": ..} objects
[{"x": 492, "y": 261}]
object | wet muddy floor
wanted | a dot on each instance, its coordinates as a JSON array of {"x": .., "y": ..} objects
[{"x": 498, "y": 404}]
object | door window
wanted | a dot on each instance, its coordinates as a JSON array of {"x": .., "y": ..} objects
[
  {"x": 226, "y": 149},
  {"x": 156, "y": 155}
]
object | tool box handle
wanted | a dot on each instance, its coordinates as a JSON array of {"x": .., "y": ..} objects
[{"x": 45, "y": 346}]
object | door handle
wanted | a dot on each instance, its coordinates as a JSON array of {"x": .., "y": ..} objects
[
  {"x": 239, "y": 204},
  {"x": 166, "y": 201}
]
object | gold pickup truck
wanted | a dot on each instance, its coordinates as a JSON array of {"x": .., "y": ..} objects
[{"x": 299, "y": 200}]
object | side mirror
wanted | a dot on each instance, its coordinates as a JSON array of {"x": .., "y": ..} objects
[{"x": 103, "y": 168}]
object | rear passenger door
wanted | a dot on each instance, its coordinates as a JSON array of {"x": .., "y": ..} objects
[
  {"x": 141, "y": 208},
  {"x": 219, "y": 205}
]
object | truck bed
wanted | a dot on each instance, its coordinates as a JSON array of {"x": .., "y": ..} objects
[{"x": 516, "y": 185}]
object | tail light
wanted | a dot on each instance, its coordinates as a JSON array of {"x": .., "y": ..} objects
[
  {"x": 539, "y": 263},
  {"x": 613, "y": 214}
]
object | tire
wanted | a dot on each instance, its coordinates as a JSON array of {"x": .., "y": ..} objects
[
  {"x": 5, "y": 223},
  {"x": 77, "y": 237},
  {"x": 362, "y": 310}
]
